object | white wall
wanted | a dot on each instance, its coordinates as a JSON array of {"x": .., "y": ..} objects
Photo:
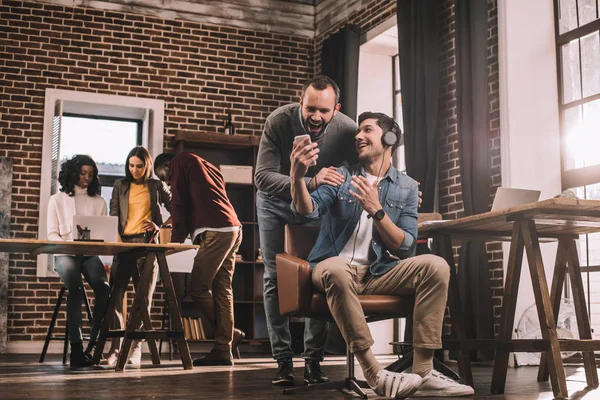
[{"x": 529, "y": 124}]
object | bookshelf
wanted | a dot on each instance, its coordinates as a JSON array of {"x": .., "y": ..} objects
[{"x": 220, "y": 149}]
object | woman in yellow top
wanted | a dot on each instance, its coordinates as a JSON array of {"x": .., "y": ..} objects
[{"x": 136, "y": 201}]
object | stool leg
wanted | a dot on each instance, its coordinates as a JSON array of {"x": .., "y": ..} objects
[
  {"x": 52, "y": 323},
  {"x": 87, "y": 307}
]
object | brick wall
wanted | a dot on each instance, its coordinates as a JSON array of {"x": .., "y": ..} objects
[
  {"x": 450, "y": 201},
  {"x": 199, "y": 70}
]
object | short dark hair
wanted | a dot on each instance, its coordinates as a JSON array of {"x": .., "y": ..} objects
[
  {"x": 143, "y": 154},
  {"x": 161, "y": 160},
  {"x": 322, "y": 82},
  {"x": 69, "y": 173},
  {"x": 385, "y": 123}
]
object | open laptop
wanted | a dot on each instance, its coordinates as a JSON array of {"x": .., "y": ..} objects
[
  {"x": 101, "y": 227},
  {"x": 509, "y": 197}
]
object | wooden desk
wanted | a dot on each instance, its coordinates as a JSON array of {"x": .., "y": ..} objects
[
  {"x": 139, "y": 309},
  {"x": 559, "y": 219}
]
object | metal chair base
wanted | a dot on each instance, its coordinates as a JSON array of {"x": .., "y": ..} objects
[{"x": 350, "y": 383}]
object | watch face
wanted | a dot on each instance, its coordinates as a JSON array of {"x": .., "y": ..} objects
[{"x": 379, "y": 215}]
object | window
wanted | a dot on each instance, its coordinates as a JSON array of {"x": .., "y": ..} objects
[
  {"x": 577, "y": 27},
  {"x": 106, "y": 140},
  {"x": 397, "y": 96},
  {"x": 105, "y": 127}
]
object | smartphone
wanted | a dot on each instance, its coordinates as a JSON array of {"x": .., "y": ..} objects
[{"x": 300, "y": 138}]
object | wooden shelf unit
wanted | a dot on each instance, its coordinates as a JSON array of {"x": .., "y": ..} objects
[{"x": 220, "y": 149}]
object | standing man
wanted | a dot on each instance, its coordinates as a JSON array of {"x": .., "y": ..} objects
[
  {"x": 200, "y": 208},
  {"x": 317, "y": 114},
  {"x": 365, "y": 247}
]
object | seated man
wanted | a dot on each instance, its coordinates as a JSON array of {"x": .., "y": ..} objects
[{"x": 368, "y": 233}]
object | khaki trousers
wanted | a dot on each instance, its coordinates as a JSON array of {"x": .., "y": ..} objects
[
  {"x": 426, "y": 276},
  {"x": 211, "y": 280}
]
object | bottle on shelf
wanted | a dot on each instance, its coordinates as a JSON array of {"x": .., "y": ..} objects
[{"x": 229, "y": 127}]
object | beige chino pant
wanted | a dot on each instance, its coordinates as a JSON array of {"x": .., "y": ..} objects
[
  {"x": 211, "y": 280},
  {"x": 425, "y": 276}
]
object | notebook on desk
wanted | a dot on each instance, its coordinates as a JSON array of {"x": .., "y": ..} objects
[
  {"x": 101, "y": 227},
  {"x": 510, "y": 197}
]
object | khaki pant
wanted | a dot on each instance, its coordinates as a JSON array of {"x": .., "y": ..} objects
[
  {"x": 211, "y": 280},
  {"x": 426, "y": 276}
]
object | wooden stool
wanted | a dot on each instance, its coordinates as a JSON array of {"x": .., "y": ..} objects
[{"x": 65, "y": 338}]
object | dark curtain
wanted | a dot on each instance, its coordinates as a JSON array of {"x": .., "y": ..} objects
[
  {"x": 339, "y": 61},
  {"x": 474, "y": 159},
  {"x": 419, "y": 53}
]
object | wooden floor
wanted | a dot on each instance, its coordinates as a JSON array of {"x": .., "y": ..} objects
[{"x": 22, "y": 377}]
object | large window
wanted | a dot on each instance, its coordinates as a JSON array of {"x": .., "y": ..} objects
[
  {"x": 105, "y": 127},
  {"x": 577, "y": 26},
  {"x": 107, "y": 140},
  {"x": 397, "y": 96}
]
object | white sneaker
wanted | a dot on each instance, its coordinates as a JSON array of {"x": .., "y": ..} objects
[
  {"x": 135, "y": 353},
  {"x": 111, "y": 359},
  {"x": 396, "y": 385},
  {"x": 436, "y": 384}
]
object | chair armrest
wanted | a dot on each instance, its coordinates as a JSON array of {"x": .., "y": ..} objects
[{"x": 294, "y": 285}]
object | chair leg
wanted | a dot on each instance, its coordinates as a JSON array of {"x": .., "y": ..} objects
[
  {"x": 401, "y": 364},
  {"x": 52, "y": 323},
  {"x": 350, "y": 383}
]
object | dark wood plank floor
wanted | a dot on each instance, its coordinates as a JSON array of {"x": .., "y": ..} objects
[{"x": 22, "y": 377}]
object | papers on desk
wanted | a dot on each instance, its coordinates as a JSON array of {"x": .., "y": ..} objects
[
  {"x": 426, "y": 223},
  {"x": 182, "y": 261}
]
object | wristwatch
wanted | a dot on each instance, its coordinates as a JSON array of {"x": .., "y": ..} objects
[{"x": 378, "y": 216}]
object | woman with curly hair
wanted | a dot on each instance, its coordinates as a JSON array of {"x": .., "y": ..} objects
[
  {"x": 136, "y": 200},
  {"x": 79, "y": 195}
]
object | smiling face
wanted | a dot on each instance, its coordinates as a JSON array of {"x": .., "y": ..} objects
[
  {"x": 86, "y": 175},
  {"x": 368, "y": 140},
  {"x": 137, "y": 168},
  {"x": 318, "y": 108}
]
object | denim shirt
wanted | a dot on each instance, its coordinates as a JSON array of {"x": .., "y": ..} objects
[{"x": 341, "y": 212}]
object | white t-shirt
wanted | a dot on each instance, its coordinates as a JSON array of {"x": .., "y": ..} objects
[{"x": 358, "y": 249}]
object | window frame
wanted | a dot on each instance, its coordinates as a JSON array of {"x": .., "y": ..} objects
[
  {"x": 88, "y": 103},
  {"x": 587, "y": 175}
]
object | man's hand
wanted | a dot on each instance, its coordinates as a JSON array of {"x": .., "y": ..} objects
[
  {"x": 326, "y": 176},
  {"x": 366, "y": 194},
  {"x": 420, "y": 194},
  {"x": 303, "y": 155}
]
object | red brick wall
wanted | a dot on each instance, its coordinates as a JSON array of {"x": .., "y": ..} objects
[
  {"x": 450, "y": 191},
  {"x": 199, "y": 70}
]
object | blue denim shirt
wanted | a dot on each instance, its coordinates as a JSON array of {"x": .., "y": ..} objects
[{"x": 341, "y": 212}]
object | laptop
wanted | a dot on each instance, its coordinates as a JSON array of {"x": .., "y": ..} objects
[
  {"x": 509, "y": 197},
  {"x": 102, "y": 227}
]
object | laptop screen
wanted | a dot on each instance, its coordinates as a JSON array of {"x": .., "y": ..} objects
[
  {"x": 509, "y": 197},
  {"x": 101, "y": 227}
]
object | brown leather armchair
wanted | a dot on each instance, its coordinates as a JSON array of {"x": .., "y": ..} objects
[{"x": 298, "y": 298}]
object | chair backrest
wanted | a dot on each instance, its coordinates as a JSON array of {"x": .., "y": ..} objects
[{"x": 300, "y": 239}]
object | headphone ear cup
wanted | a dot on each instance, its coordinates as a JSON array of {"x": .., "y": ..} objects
[{"x": 389, "y": 138}]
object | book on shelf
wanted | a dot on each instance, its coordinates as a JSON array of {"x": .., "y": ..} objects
[{"x": 193, "y": 329}]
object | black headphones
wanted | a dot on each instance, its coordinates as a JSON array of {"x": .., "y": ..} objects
[{"x": 390, "y": 138}]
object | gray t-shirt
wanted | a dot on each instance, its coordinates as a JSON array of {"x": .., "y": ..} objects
[{"x": 336, "y": 148}]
